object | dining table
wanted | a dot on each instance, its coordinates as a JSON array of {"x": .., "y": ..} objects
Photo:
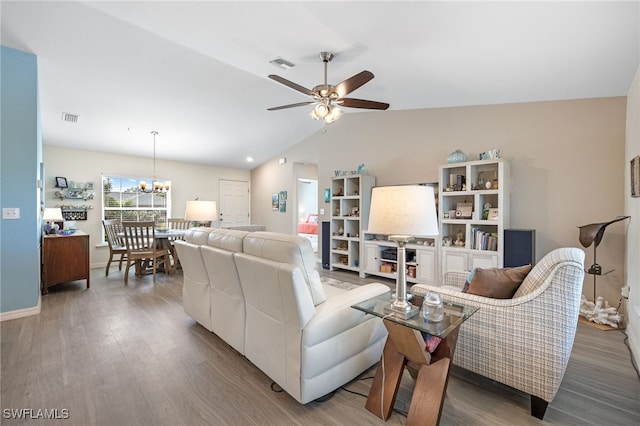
[{"x": 163, "y": 240}]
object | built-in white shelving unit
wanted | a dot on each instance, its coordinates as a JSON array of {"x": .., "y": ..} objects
[
  {"x": 350, "y": 200},
  {"x": 473, "y": 213}
]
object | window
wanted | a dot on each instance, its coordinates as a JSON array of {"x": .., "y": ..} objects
[{"x": 122, "y": 199}]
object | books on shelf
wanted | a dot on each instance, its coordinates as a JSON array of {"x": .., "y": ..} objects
[{"x": 481, "y": 240}]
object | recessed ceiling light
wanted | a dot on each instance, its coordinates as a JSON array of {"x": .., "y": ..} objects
[
  {"x": 249, "y": 159},
  {"x": 282, "y": 63}
]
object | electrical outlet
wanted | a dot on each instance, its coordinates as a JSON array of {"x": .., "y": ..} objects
[{"x": 625, "y": 291}]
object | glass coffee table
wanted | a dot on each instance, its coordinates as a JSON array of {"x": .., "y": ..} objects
[{"x": 405, "y": 347}]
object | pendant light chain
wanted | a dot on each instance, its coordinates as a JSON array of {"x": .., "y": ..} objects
[{"x": 154, "y": 133}]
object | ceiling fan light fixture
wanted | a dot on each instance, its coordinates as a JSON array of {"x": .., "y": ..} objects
[
  {"x": 321, "y": 109},
  {"x": 335, "y": 113},
  {"x": 328, "y": 99}
]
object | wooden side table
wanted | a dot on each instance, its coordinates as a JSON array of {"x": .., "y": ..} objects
[
  {"x": 64, "y": 258},
  {"x": 405, "y": 347}
]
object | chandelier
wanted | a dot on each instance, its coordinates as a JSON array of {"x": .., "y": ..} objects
[{"x": 155, "y": 186}]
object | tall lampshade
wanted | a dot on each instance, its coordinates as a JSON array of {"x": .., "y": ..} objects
[
  {"x": 402, "y": 213},
  {"x": 201, "y": 211}
]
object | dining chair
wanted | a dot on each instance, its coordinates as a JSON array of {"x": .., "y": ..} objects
[
  {"x": 179, "y": 224},
  {"x": 114, "y": 233},
  {"x": 142, "y": 250}
]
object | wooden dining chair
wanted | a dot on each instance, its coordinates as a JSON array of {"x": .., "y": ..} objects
[
  {"x": 180, "y": 224},
  {"x": 142, "y": 249},
  {"x": 114, "y": 233}
]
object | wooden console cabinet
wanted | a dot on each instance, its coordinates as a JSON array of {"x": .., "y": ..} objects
[{"x": 64, "y": 258}]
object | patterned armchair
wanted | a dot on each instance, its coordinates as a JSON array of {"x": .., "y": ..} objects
[{"x": 523, "y": 342}]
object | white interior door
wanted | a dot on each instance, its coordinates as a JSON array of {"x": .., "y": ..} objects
[{"x": 234, "y": 207}]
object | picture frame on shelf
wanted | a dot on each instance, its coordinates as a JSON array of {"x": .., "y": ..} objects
[
  {"x": 464, "y": 210},
  {"x": 494, "y": 214},
  {"x": 75, "y": 194},
  {"x": 61, "y": 182}
]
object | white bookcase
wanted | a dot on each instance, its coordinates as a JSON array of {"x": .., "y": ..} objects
[
  {"x": 471, "y": 235},
  {"x": 350, "y": 201},
  {"x": 380, "y": 258}
]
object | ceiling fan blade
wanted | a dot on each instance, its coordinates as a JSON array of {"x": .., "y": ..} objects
[
  {"x": 290, "y": 106},
  {"x": 291, "y": 84},
  {"x": 352, "y": 83},
  {"x": 362, "y": 103}
]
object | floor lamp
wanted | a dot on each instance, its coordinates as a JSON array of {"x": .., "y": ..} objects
[
  {"x": 402, "y": 213},
  {"x": 200, "y": 211}
]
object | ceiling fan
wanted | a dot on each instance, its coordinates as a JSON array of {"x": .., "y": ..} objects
[{"x": 329, "y": 99}]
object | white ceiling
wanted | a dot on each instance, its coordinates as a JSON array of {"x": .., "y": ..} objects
[{"x": 197, "y": 71}]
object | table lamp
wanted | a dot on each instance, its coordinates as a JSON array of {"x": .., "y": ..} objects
[
  {"x": 402, "y": 213},
  {"x": 52, "y": 215},
  {"x": 201, "y": 211}
]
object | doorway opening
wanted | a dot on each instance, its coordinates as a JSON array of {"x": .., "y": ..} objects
[{"x": 308, "y": 223}]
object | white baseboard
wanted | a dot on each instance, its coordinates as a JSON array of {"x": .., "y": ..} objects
[
  {"x": 632, "y": 335},
  {"x": 20, "y": 313}
]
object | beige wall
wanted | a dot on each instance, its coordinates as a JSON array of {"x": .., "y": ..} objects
[
  {"x": 632, "y": 208},
  {"x": 565, "y": 159},
  {"x": 189, "y": 181}
]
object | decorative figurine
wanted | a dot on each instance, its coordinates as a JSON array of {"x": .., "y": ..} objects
[{"x": 459, "y": 238}]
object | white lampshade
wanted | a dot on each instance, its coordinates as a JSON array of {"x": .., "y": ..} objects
[
  {"x": 403, "y": 210},
  {"x": 201, "y": 211},
  {"x": 52, "y": 214}
]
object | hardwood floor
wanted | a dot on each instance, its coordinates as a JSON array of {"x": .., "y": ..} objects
[{"x": 129, "y": 355}]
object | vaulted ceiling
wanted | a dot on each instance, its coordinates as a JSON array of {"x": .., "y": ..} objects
[{"x": 196, "y": 72}]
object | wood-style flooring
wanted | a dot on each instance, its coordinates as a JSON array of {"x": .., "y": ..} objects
[{"x": 129, "y": 355}]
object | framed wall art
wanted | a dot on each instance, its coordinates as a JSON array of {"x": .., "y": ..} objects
[
  {"x": 275, "y": 202},
  {"x": 635, "y": 176}
]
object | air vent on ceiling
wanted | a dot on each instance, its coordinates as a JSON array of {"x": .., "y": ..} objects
[
  {"x": 282, "y": 63},
  {"x": 71, "y": 118}
]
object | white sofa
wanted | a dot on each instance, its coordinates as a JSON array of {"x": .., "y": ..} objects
[
  {"x": 523, "y": 342},
  {"x": 261, "y": 293}
]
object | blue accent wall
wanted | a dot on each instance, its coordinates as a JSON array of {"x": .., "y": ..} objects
[{"x": 20, "y": 158}]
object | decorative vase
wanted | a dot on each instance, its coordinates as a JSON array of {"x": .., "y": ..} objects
[{"x": 457, "y": 156}]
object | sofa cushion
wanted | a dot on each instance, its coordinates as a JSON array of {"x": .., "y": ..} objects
[
  {"x": 227, "y": 239},
  {"x": 496, "y": 283},
  {"x": 197, "y": 236},
  {"x": 290, "y": 249}
]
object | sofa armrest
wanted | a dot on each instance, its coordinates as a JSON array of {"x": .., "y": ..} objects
[{"x": 336, "y": 315}]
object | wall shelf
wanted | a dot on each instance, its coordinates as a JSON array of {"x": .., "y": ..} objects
[{"x": 73, "y": 192}]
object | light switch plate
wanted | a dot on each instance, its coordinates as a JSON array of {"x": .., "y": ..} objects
[{"x": 11, "y": 213}]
